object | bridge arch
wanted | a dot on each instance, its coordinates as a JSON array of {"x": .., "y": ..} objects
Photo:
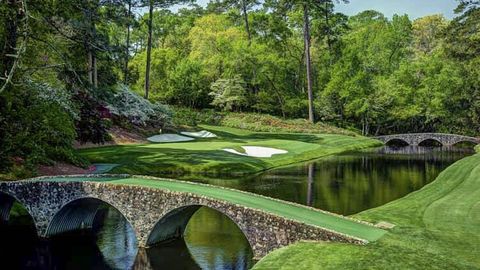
[
  {"x": 397, "y": 142},
  {"x": 81, "y": 213},
  {"x": 431, "y": 142},
  {"x": 173, "y": 224},
  {"x": 7, "y": 203}
]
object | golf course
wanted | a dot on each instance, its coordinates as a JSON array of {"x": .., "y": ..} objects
[
  {"x": 436, "y": 227},
  {"x": 239, "y": 135},
  {"x": 208, "y": 156}
]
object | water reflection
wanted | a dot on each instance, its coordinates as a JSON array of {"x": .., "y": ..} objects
[
  {"x": 352, "y": 182},
  {"x": 116, "y": 241},
  {"x": 212, "y": 241},
  {"x": 215, "y": 242}
]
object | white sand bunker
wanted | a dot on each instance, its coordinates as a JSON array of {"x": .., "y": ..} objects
[
  {"x": 200, "y": 134},
  {"x": 166, "y": 138},
  {"x": 257, "y": 151}
]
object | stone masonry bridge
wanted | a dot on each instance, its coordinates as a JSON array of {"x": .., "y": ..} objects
[
  {"x": 159, "y": 210},
  {"x": 416, "y": 139}
]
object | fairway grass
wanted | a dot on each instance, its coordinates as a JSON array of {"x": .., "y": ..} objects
[
  {"x": 437, "y": 227},
  {"x": 280, "y": 208},
  {"x": 206, "y": 156}
]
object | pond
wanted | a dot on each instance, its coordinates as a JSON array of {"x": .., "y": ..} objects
[
  {"x": 351, "y": 182},
  {"x": 346, "y": 184}
]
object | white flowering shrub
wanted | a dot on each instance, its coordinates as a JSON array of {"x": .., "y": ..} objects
[
  {"x": 54, "y": 96},
  {"x": 136, "y": 109},
  {"x": 228, "y": 94}
]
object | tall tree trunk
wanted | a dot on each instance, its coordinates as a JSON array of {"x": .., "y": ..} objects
[
  {"x": 94, "y": 54},
  {"x": 95, "y": 71},
  {"x": 245, "y": 17},
  {"x": 90, "y": 41},
  {"x": 329, "y": 35},
  {"x": 127, "y": 47},
  {"x": 11, "y": 37},
  {"x": 306, "y": 30},
  {"x": 149, "y": 50},
  {"x": 90, "y": 64}
]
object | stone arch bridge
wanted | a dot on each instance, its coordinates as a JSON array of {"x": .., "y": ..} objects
[
  {"x": 159, "y": 210},
  {"x": 416, "y": 139}
]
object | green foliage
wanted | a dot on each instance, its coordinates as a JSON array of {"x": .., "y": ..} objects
[
  {"x": 373, "y": 48},
  {"x": 427, "y": 33},
  {"x": 426, "y": 93},
  {"x": 186, "y": 85},
  {"x": 357, "y": 62},
  {"x": 163, "y": 62},
  {"x": 34, "y": 127},
  {"x": 370, "y": 72},
  {"x": 183, "y": 116},
  {"x": 463, "y": 35}
]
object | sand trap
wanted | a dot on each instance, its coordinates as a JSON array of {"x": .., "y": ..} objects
[
  {"x": 200, "y": 134},
  {"x": 257, "y": 151},
  {"x": 166, "y": 138}
]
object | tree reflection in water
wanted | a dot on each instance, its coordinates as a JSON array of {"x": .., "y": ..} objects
[{"x": 212, "y": 241}]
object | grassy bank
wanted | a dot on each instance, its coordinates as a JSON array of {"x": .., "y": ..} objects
[
  {"x": 267, "y": 123},
  {"x": 437, "y": 227},
  {"x": 253, "y": 121},
  {"x": 206, "y": 156}
]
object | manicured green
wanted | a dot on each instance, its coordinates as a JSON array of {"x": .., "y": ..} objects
[
  {"x": 437, "y": 227},
  {"x": 284, "y": 209},
  {"x": 207, "y": 156}
]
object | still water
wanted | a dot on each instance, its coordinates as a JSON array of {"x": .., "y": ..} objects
[
  {"x": 346, "y": 184},
  {"x": 212, "y": 241},
  {"x": 352, "y": 182}
]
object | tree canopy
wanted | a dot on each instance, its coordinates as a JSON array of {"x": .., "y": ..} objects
[{"x": 367, "y": 72}]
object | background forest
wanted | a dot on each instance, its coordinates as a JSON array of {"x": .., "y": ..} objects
[{"x": 69, "y": 70}]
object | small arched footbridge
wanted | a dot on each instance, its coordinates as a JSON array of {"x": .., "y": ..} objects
[
  {"x": 416, "y": 139},
  {"x": 159, "y": 210}
]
